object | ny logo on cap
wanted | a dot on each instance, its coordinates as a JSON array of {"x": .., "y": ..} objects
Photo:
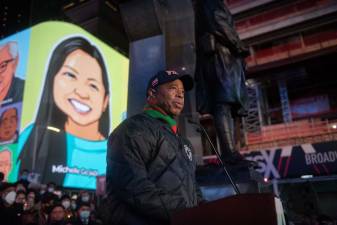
[{"x": 171, "y": 72}]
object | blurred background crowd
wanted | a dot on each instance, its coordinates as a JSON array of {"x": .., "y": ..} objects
[
  {"x": 27, "y": 203},
  {"x": 30, "y": 203}
]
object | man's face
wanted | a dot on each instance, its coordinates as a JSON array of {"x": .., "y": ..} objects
[
  {"x": 57, "y": 214},
  {"x": 20, "y": 198},
  {"x": 83, "y": 208},
  {"x": 8, "y": 124},
  {"x": 170, "y": 97},
  {"x": 7, "y": 70}
]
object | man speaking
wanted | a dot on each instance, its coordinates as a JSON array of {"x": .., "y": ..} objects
[{"x": 150, "y": 166}]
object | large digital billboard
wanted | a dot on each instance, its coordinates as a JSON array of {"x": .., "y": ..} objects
[{"x": 70, "y": 92}]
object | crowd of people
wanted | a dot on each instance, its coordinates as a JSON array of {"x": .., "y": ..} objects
[{"x": 25, "y": 203}]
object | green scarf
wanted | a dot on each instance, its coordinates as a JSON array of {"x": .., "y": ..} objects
[{"x": 157, "y": 113}]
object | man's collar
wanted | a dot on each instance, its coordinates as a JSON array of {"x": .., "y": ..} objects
[
  {"x": 157, "y": 108},
  {"x": 158, "y": 113}
]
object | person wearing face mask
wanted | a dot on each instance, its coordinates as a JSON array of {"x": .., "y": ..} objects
[
  {"x": 43, "y": 189},
  {"x": 51, "y": 187},
  {"x": 85, "y": 197},
  {"x": 8, "y": 212},
  {"x": 84, "y": 215},
  {"x": 58, "y": 192},
  {"x": 66, "y": 203},
  {"x": 8, "y": 194},
  {"x": 24, "y": 175},
  {"x": 73, "y": 205}
]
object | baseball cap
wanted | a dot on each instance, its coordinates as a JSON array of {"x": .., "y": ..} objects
[{"x": 166, "y": 76}]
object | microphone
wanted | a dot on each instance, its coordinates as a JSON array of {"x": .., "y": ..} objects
[{"x": 202, "y": 130}]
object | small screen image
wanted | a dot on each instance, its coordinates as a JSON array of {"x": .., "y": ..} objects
[
  {"x": 9, "y": 123},
  {"x": 7, "y": 162},
  {"x": 13, "y": 63}
]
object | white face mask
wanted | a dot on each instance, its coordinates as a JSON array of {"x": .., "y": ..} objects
[
  {"x": 73, "y": 205},
  {"x": 66, "y": 204},
  {"x": 10, "y": 197},
  {"x": 84, "y": 215},
  {"x": 51, "y": 189},
  {"x": 58, "y": 193},
  {"x": 85, "y": 198}
]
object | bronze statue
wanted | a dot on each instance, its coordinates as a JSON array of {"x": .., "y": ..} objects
[{"x": 220, "y": 72}]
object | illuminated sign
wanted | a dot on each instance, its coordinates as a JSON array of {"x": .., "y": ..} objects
[{"x": 71, "y": 91}]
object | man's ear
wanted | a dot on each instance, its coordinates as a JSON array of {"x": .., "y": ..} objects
[
  {"x": 151, "y": 96},
  {"x": 151, "y": 93}
]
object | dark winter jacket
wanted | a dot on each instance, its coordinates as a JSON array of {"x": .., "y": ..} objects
[{"x": 150, "y": 172}]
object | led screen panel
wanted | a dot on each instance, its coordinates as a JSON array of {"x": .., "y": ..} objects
[{"x": 72, "y": 91}]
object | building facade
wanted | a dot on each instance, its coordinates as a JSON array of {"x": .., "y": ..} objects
[{"x": 291, "y": 128}]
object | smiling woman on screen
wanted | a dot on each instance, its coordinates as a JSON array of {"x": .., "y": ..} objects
[{"x": 67, "y": 141}]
